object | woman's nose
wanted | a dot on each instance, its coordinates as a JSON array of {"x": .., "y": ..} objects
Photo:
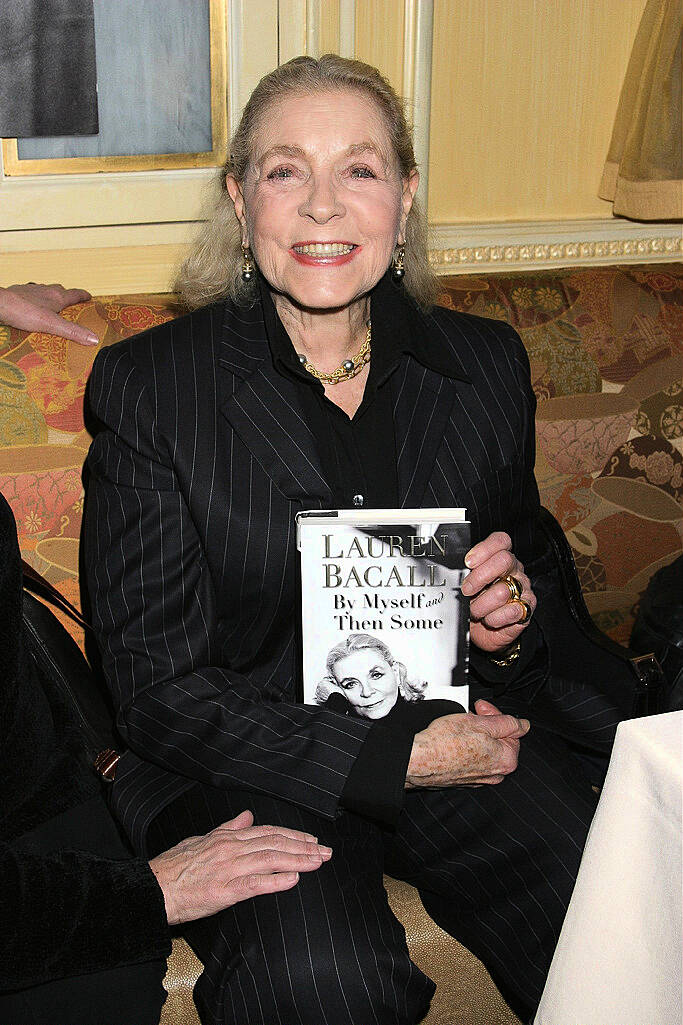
[
  {"x": 322, "y": 202},
  {"x": 366, "y": 689}
]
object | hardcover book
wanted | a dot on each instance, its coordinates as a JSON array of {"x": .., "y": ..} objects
[{"x": 383, "y": 615}]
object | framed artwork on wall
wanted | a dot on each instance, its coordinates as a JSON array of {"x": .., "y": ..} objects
[{"x": 162, "y": 94}]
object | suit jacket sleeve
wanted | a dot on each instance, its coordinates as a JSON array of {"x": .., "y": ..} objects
[
  {"x": 154, "y": 611},
  {"x": 530, "y": 669}
]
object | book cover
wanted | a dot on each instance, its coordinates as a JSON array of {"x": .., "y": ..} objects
[{"x": 383, "y": 616}]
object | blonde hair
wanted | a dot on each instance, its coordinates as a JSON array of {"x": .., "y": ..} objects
[{"x": 213, "y": 269}]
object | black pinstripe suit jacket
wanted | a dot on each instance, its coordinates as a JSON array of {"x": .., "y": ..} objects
[{"x": 200, "y": 461}]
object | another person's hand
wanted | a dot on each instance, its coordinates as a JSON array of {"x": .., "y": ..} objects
[
  {"x": 466, "y": 749},
  {"x": 34, "y": 307},
  {"x": 204, "y": 874},
  {"x": 495, "y": 621}
]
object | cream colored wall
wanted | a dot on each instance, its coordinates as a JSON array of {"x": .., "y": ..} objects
[
  {"x": 524, "y": 94},
  {"x": 523, "y": 98},
  {"x": 379, "y": 37}
]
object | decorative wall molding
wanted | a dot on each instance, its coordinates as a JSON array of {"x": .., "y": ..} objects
[
  {"x": 518, "y": 245},
  {"x": 103, "y": 259},
  {"x": 347, "y": 28},
  {"x": 106, "y": 236},
  {"x": 234, "y": 34},
  {"x": 120, "y": 197},
  {"x": 252, "y": 41},
  {"x": 291, "y": 29},
  {"x": 418, "y": 31},
  {"x": 313, "y": 28}
]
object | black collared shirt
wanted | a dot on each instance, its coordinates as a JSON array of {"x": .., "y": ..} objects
[
  {"x": 358, "y": 458},
  {"x": 358, "y": 453}
]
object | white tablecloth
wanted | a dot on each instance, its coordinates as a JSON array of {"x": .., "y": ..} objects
[{"x": 619, "y": 958}]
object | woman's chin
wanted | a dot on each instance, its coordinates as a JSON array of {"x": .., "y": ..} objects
[
  {"x": 377, "y": 711},
  {"x": 324, "y": 294}
]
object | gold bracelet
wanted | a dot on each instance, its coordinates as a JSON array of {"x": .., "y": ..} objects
[{"x": 511, "y": 657}]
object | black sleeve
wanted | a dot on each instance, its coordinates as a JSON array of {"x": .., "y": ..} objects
[
  {"x": 375, "y": 786},
  {"x": 532, "y": 650},
  {"x": 531, "y": 668},
  {"x": 70, "y": 913}
]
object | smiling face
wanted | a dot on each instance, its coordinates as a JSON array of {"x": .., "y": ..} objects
[
  {"x": 368, "y": 681},
  {"x": 322, "y": 204}
]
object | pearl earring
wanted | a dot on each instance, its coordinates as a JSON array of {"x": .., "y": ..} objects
[
  {"x": 247, "y": 264},
  {"x": 398, "y": 263}
]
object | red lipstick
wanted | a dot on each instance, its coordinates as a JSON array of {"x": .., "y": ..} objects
[{"x": 324, "y": 259}]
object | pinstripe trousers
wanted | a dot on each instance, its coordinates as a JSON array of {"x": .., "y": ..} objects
[{"x": 495, "y": 867}]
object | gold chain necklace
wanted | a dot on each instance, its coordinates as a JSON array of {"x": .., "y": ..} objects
[{"x": 348, "y": 369}]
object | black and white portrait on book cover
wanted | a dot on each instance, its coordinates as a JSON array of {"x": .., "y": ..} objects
[{"x": 383, "y": 617}]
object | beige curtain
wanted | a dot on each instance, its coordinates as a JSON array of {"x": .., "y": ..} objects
[{"x": 643, "y": 174}]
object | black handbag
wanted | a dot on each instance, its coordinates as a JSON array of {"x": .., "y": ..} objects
[
  {"x": 659, "y": 628},
  {"x": 637, "y": 670},
  {"x": 61, "y": 658}
]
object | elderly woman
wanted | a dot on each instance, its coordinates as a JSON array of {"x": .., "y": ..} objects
[{"x": 318, "y": 375}]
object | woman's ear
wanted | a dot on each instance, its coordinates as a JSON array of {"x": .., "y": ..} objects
[
  {"x": 410, "y": 185},
  {"x": 237, "y": 196}
]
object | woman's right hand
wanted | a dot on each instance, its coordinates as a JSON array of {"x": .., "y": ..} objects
[
  {"x": 204, "y": 874},
  {"x": 466, "y": 749}
]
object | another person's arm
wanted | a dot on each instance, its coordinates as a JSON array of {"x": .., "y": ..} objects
[
  {"x": 71, "y": 912},
  {"x": 34, "y": 307},
  {"x": 204, "y": 874}
]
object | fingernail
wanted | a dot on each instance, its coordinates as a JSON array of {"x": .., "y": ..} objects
[
  {"x": 93, "y": 339},
  {"x": 467, "y": 560},
  {"x": 525, "y": 724},
  {"x": 326, "y": 851}
]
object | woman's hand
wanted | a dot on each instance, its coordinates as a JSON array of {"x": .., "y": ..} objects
[
  {"x": 204, "y": 874},
  {"x": 34, "y": 307},
  {"x": 495, "y": 621},
  {"x": 466, "y": 749}
]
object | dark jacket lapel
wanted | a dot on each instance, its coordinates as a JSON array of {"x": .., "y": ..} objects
[
  {"x": 423, "y": 400},
  {"x": 265, "y": 411}
]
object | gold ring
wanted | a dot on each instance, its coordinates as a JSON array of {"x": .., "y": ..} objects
[
  {"x": 528, "y": 611},
  {"x": 513, "y": 586}
]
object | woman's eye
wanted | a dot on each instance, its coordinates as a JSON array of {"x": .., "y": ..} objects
[
  {"x": 362, "y": 172},
  {"x": 348, "y": 684},
  {"x": 376, "y": 674},
  {"x": 280, "y": 173}
]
